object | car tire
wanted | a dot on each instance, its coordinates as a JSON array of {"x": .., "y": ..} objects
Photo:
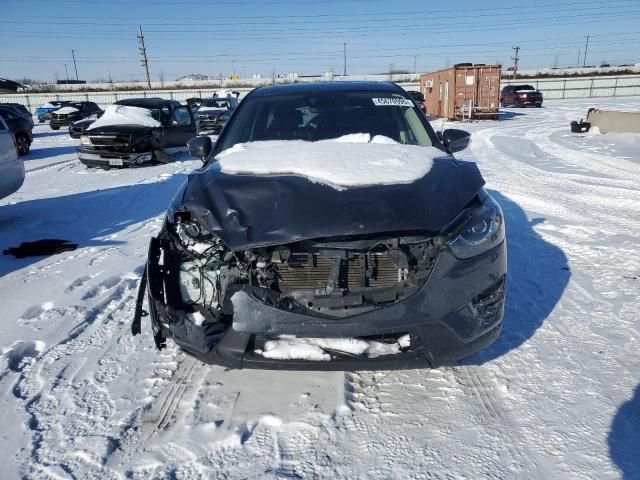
[
  {"x": 54, "y": 127},
  {"x": 22, "y": 141}
]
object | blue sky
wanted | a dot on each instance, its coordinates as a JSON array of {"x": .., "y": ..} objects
[{"x": 306, "y": 36}]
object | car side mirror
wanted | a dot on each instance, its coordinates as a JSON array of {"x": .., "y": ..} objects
[
  {"x": 455, "y": 140},
  {"x": 200, "y": 147}
]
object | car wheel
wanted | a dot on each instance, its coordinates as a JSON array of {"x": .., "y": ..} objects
[
  {"x": 54, "y": 127},
  {"x": 23, "y": 144}
]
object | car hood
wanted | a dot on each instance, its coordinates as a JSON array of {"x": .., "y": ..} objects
[
  {"x": 248, "y": 211},
  {"x": 121, "y": 129},
  {"x": 83, "y": 123}
]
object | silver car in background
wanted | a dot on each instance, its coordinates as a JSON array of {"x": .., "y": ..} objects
[{"x": 11, "y": 165}]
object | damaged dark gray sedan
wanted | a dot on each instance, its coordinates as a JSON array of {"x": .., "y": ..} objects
[{"x": 329, "y": 228}]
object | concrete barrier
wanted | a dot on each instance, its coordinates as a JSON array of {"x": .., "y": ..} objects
[{"x": 611, "y": 121}]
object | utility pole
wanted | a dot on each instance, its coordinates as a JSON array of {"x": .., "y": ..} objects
[
  {"x": 143, "y": 53},
  {"x": 579, "y": 52},
  {"x": 67, "y": 72},
  {"x": 585, "y": 52},
  {"x": 516, "y": 59},
  {"x": 414, "y": 63},
  {"x": 73, "y": 54},
  {"x": 345, "y": 59}
]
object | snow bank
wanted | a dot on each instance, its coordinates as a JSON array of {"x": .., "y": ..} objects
[
  {"x": 125, "y": 115},
  {"x": 352, "y": 161},
  {"x": 66, "y": 110},
  {"x": 289, "y": 347}
]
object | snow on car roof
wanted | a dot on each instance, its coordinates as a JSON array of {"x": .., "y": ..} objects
[
  {"x": 125, "y": 115},
  {"x": 351, "y": 161}
]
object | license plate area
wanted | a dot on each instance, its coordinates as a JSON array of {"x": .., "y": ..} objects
[{"x": 116, "y": 162}]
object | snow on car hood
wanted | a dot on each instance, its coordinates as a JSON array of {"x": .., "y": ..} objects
[
  {"x": 48, "y": 105},
  {"x": 526, "y": 91},
  {"x": 252, "y": 210},
  {"x": 211, "y": 110},
  {"x": 66, "y": 110},
  {"x": 351, "y": 161},
  {"x": 125, "y": 115}
]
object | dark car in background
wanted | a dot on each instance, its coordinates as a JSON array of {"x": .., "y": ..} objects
[
  {"x": 418, "y": 97},
  {"x": 44, "y": 112},
  {"x": 214, "y": 113},
  {"x": 77, "y": 129},
  {"x": 520, "y": 96},
  {"x": 20, "y": 126},
  {"x": 260, "y": 262},
  {"x": 72, "y": 112},
  {"x": 20, "y": 110},
  {"x": 134, "y": 137}
]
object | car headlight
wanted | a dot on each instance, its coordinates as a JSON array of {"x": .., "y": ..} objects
[
  {"x": 480, "y": 230},
  {"x": 224, "y": 117},
  {"x": 84, "y": 140},
  {"x": 144, "y": 158}
]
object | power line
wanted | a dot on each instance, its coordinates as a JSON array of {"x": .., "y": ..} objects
[{"x": 430, "y": 19}]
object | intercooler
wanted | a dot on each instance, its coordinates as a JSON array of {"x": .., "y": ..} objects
[{"x": 362, "y": 270}]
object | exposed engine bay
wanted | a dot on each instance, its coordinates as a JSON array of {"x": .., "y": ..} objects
[{"x": 335, "y": 277}]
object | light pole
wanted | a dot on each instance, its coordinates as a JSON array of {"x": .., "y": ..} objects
[{"x": 73, "y": 54}]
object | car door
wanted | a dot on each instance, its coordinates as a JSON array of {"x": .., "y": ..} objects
[
  {"x": 95, "y": 109},
  {"x": 11, "y": 166},
  {"x": 181, "y": 128}
]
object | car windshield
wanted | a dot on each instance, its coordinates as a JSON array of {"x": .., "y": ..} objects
[
  {"x": 215, "y": 103},
  {"x": 325, "y": 115},
  {"x": 524, "y": 87}
]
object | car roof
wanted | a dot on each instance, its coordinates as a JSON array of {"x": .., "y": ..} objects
[
  {"x": 338, "y": 86},
  {"x": 155, "y": 102}
]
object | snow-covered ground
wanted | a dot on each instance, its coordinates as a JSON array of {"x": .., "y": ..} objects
[{"x": 556, "y": 396}]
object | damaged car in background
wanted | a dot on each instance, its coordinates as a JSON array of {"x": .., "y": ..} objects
[
  {"x": 214, "y": 113},
  {"x": 72, "y": 112},
  {"x": 135, "y": 132},
  {"x": 329, "y": 228}
]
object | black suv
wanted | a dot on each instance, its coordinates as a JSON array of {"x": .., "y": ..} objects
[
  {"x": 20, "y": 126},
  {"x": 20, "y": 110},
  {"x": 120, "y": 138},
  {"x": 214, "y": 113},
  {"x": 520, "y": 96},
  {"x": 72, "y": 112}
]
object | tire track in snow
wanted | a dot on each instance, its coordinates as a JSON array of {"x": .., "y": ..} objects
[{"x": 59, "y": 382}]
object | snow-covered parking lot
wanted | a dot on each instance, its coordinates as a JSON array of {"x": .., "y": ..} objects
[{"x": 557, "y": 395}]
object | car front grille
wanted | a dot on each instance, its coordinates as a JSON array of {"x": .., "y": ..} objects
[{"x": 109, "y": 141}]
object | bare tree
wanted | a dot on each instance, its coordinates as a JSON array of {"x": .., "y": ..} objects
[{"x": 161, "y": 77}]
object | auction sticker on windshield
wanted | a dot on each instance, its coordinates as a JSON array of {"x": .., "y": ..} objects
[{"x": 393, "y": 102}]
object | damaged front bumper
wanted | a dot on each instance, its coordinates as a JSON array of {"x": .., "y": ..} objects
[
  {"x": 95, "y": 158},
  {"x": 454, "y": 311}
]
